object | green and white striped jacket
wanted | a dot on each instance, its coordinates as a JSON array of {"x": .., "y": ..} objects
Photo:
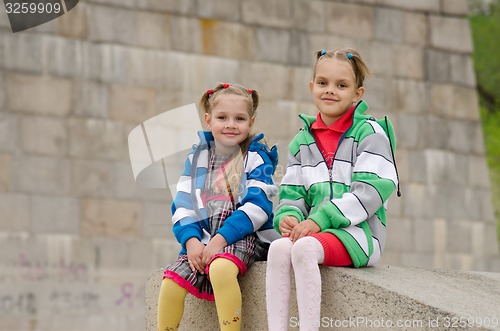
[{"x": 348, "y": 200}]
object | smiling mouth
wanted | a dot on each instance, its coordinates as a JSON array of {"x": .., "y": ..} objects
[{"x": 329, "y": 100}]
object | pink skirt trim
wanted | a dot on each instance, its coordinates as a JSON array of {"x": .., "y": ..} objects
[
  {"x": 188, "y": 286},
  {"x": 193, "y": 290},
  {"x": 231, "y": 257}
]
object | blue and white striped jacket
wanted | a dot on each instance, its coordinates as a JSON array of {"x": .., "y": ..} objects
[{"x": 254, "y": 211}]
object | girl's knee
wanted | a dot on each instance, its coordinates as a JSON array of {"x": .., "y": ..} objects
[
  {"x": 222, "y": 270},
  {"x": 280, "y": 246},
  {"x": 305, "y": 248},
  {"x": 172, "y": 290}
]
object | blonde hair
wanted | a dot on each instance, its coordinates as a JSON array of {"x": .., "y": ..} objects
[
  {"x": 349, "y": 55},
  {"x": 233, "y": 172}
]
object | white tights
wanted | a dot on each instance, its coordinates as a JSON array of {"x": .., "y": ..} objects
[{"x": 304, "y": 255}]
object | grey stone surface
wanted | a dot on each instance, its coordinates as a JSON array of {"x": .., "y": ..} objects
[
  {"x": 40, "y": 174},
  {"x": 16, "y": 212},
  {"x": 131, "y": 103},
  {"x": 450, "y": 33},
  {"x": 93, "y": 178},
  {"x": 379, "y": 297},
  {"x": 273, "y": 13},
  {"x": 477, "y": 139},
  {"x": 22, "y": 52},
  {"x": 186, "y": 34},
  {"x": 458, "y": 141},
  {"x": 233, "y": 40},
  {"x": 463, "y": 70},
  {"x": 157, "y": 221},
  {"x": 125, "y": 187},
  {"x": 400, "y": 235},
  {"x": 64, "y": 57},
  {"x": 409, "y": 124},
  {"x": 416, "y": 201},
  {"x": 219, "y": 9},
  {"x": 437, "y": 66},
  {"x": 424, "y": 237},
  {"x": 455, "y": 7},
  {"x": 91, "y": 99},
  {"x": 111, "y": 24},
  {"x": 273, "y": 45},
  {"x": 441, "y": 133},
  {"x": 178, "y": 7},
  {"x": 4, "y": 21},
  {"x": 9, "y": 140},
  {"x": 264, "y": 76},
  {"x": 389, "y": 25},
  {"x": 153, "y": 30},
  {"x": 342, "y": 15},
  {"x": 411, "y": 96},
  {"x": 44, "y": 135},
  {"x": 376, "y": 93},
  {"x": 206, "y": 72},
  {"x": 111, "y": 218},
  {"x": 125, "y": 3},
  {"x": 416, "y": 28},
  {"x": 97, "y": 139},
  {"x": 300, "y": 49},
  {"x": 454, "y": 102},
  {"x": 409, "y": 62},
  {"x": 74, "y": 23},
  {"x": 300, "y": 89},
  {"x": 5, "y": 160},
  {"x": 55, "y": 215},
  {"x": 424, "y": 5},
  {"x": 460, "y": 237},
  {"x": 309, "y": 15},
  {"x": 38, "y": 94},
  {"x": 381, "y": 57},
  {"x": 2, "y": 92}
]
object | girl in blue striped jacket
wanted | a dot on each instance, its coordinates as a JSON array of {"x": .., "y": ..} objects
[
  {"x": 340, "y": 173},
  {"x": 222, "y": 212}
]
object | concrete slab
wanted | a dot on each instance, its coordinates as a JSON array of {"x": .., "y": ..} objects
[{"x": 382, "y": 297}]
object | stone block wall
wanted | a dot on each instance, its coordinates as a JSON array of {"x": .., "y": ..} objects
[{"x": 78, "y": 237}]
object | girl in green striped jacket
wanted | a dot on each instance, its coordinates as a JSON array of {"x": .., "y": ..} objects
[{"x": 332, "y": 209}]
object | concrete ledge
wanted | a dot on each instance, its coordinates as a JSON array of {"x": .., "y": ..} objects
[{"x": 382, "y": 297}]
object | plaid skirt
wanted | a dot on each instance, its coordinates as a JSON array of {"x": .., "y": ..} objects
[{"x": 243, "y": 253}]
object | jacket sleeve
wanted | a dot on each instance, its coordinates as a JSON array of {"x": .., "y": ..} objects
[
  {"x": 374, "y": 178},
  {"x": 292, "y": 193},
  {"x": 256, "y": 205},
  {"x": 186, "y": 223}
]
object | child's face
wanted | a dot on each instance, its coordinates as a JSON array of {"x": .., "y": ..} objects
[
  {"x": 229, "y": 122},
  {"x": 334, "y": 89}
]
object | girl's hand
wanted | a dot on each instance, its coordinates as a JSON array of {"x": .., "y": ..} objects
[
  {"x": 287, "y": 223},
  {"x": 215, "y": 244},
  {"x": 303, "y": 229},
  {"x": 195, "y": 253}
]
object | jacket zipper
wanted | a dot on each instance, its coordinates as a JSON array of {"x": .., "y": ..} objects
[
  {"x": 193, "y": 186},
  {"x": 330, "y": 168},
  {"x": 333, "y": 161}
]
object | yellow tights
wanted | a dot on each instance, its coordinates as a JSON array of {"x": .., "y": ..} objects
[
  {"x": 170, "y": 305},
  {"x": 223, "y": 276}
]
